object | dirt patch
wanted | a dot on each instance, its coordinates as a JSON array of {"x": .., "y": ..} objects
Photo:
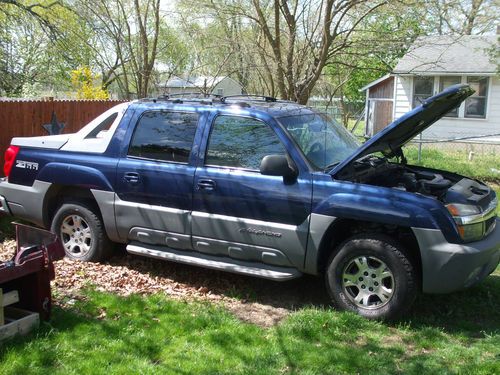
[
  {"x": 393, "y": 339},
  {"x": 253, "y": 300}
]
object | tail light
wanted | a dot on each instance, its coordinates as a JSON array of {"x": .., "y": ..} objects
[{"x": 10, "y": 158}]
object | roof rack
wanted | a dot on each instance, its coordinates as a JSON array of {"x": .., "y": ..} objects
[
  {"x": 210, "y": 99},
  {"x": 267, "y": 99},
  {"x": 195, "y": 94},
  {"x": 184, "y": 97}
]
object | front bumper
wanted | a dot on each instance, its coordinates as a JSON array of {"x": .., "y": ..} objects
[{"x": 448, "y": 267}]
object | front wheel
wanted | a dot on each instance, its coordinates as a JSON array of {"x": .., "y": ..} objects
[
  {"x": 372, "y": 276},
  {"x": 81, "y": 232}
]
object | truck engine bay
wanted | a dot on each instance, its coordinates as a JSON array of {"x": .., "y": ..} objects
[{"x": 444, "y": 186}]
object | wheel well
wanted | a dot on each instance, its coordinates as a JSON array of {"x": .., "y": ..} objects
[
  {"x": 57, "y": 194},
  {"x": 342, "y": 229}
]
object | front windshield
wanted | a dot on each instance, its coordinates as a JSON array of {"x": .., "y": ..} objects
[{"x": 323, "y": 141}]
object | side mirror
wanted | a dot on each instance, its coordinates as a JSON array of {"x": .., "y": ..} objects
[{"x": 277, "y": 165}]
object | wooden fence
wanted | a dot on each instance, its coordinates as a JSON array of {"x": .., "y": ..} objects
[{"x": 24, "y": 118}]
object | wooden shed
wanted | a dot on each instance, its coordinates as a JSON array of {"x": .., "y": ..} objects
[{"x": 379, "y": 104}]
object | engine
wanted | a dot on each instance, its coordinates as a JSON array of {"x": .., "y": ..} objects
[
  {"x": 423, "y": 182},
  {"x": 379, "y": 172}
]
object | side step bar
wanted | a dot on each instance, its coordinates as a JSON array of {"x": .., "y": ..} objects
[{"x": 262, "y": 270}]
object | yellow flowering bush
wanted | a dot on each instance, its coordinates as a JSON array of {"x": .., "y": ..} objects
[{"x": 83, "y": 80}]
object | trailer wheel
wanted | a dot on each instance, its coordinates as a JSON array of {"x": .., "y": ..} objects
[
  {"x": 372, "y": 276},
  {"x": 81, "y": 232}
]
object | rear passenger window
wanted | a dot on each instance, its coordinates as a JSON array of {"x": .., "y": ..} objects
[
  {"x": 102, "y": 127},
  {"x": 241, "y": 142},
  {"x": 164, "y": 136}
]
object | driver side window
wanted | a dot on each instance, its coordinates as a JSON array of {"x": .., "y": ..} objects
[{"x": 241, "y": 142}]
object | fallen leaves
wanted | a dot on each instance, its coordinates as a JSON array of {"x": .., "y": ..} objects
[
  {"x": 252, "y": 300},
  {"x": 121, "y": 278}
]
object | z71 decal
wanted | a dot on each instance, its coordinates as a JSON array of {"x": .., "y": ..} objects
[
  {"x": 27, "y": 165},
  {"x": 260, "y": 232}
]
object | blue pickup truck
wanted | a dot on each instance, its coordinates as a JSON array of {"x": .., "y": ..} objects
[{"x": 262, "y": 187}]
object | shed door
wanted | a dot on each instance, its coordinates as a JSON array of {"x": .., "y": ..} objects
[{"x": 379, "y": 115}]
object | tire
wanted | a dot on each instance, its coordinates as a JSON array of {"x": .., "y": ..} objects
[
  {"x": 373, "y": 276},
  {"x": 81, "y": 232}
]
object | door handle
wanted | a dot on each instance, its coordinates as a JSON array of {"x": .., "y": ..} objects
[
  {"x": 131, "y": 177},
  {"x": 206, "y": 184}
]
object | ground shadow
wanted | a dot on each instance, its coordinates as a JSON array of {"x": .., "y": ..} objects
[
  {"x": 293, "y": 294},
  {"x": 473, "y": 310}
]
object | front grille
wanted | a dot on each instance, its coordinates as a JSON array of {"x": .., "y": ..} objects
[{"x": 489, "y": 225}]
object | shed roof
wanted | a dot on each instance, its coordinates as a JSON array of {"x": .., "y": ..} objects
[
  {"x": 373, "y": 83},
  {"x": 450, "y": 54}
]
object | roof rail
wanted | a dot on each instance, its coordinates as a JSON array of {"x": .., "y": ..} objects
[
  {"x": 184, "y": 97},
  {"x": 194, "y": 94},
  {"x": 210, "y": 99},
  {"x": 268, "y": 99}
]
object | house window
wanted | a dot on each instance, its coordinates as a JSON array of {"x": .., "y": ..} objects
[
  {"x": 422, "y": 89},
  {"x": 475, "y": 105},
  {"x": 220, "y": 92},
  {"x": 445, "y": 82}
]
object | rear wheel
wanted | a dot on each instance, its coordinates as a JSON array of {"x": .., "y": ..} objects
[
  {"x": 372, "y": 276},
  {"x": 81, "y": 232}
]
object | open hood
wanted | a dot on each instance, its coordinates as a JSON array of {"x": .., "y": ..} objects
[{"x": 390, "y": 140}]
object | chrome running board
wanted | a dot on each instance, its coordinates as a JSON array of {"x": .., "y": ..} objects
[{"x": 262, "y": 270}]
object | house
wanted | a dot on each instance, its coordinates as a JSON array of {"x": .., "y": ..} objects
[
  {"x": 220, "y": 85},
  {"x": 432, "y": 64}
]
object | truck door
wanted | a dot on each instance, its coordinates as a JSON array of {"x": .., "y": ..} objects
[
  {"x": 237, "y": 211},
  {"x": 155, "y": 179}
]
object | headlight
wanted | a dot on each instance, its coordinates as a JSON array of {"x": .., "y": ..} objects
[
  {"x": 472, "y": 223},
  {"x": 471, "y": 232},
  {"x": 457, "y": 210}
]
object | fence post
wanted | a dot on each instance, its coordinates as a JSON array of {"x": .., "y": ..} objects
[{"x": 420, "y": 149}]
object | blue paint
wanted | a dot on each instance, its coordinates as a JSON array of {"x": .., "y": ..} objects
[{"x": 235, "y": 192}]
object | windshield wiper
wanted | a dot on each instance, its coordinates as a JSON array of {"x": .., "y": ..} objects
[{"x": 330, "y": 166}]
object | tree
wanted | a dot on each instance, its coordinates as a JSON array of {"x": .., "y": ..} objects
[
  {"x": 84, "y": 82},
  {"x": 460, "y": 17},
  {"x": 292, "y": 40},
  {"x": 215, "y": 48},
  {"x": 381, "y": 39},
  {"x": 33, "y": 56},
  {"x": 126, "y": 40},
  {"x": 39, "y": 11},
  {"x": 131, "y": 38}
]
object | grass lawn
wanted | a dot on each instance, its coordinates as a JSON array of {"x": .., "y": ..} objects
[
  {"x": 103, "y": 333},
  {"x": 484, "y": 166}
]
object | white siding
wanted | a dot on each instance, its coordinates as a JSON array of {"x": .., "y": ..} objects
[
  {"x": 450, "y": 128},
  {"x": 403, "y": 96}
]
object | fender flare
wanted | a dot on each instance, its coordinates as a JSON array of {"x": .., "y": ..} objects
[
  {"x": 74, "y": 175},
  {"x": 421, "y": 212}
]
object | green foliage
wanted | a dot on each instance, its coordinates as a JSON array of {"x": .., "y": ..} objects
[
  {"x": 103, "y": 333},
  {"x": 84, "y": 83},
  {"x": 382, "y": 40},
  {"x": 38, "y": 48}
]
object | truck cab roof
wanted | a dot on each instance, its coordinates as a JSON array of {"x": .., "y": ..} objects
[{"x": 256, "y": 105}]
